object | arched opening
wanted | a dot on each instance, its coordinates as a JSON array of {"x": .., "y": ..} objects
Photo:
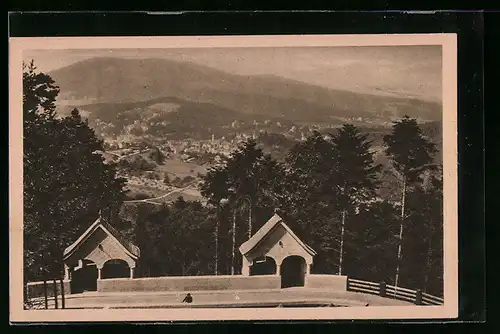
[
  {"x": 84, "y": 278},
  {"x": 263, "y": 266},
  {"x": 115, "y": 269},
  {"x": 293, "y": 271}
]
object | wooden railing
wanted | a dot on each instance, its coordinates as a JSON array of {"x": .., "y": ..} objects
[
  {"x": 431, "y": 300},
  {"x": 389, "y": 291},
  {"x": 52, "y": 293}
]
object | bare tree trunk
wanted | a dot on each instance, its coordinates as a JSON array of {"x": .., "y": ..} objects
[
  {"x": 234, "y": 241},
  {"x": 249, "y": 220},
  {"x": 341, "y": 256},
  {"x": 216, "y": 247},
  {"x": 403, "y": 198},
  {"x": 342, "y": 242},
  {"x": 218, "y": 218}
]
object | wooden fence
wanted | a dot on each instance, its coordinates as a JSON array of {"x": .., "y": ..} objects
[
  {"x": 389, "y": 291},
  {"x": 52, "y": 291}
]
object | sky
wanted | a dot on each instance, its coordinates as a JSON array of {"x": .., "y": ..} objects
[{"x": 406, "y": 71}]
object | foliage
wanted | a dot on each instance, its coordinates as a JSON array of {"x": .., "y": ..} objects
[
  {"x": 66, "y": 183},
  {"x": 157, "y": 156},
  {"x": 308, "y": 196},
  {"x": 137, "y": 163},
  {"x": 323, "y": 176},
  {"x": 326, "y": 189},
  {"x": 372, "y": 242},
  {"x": 173, "y": 239},
  {"x": 328, "y": 176},
  {"x": 39, "y": 95},
  {"x": 356, "y": 173},
  {"x": 409, "y": 151},
  {"x": 242, "y": 189},
  {"x": 411, "y": 156},
  {"x": 425, "y": 219},
  {"x": 355, "y": 176}
]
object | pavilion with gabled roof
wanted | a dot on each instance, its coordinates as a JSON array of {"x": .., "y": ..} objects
[
  {"x": 276, "y": 241},
  {"x": 99, "y": 245}
]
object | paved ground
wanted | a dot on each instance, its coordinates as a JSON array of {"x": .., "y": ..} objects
[{"x": 243, "y": 298}]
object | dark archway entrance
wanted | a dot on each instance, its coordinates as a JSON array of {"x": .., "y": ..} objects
[
  {"x": 263, "y": 266},
  {"x": 293, "y": 271},
  {"x": 84, "y": 278},
  {"x": 115, "y": 269}
]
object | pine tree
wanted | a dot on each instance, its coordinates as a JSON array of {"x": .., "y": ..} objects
[
  {"x": 355, "y": 174},
  {"x": 309, "y": 176},
  {"x": 243, "y": 191},
  {"x": 66, "y": 183},
  {"x": 172, "y": 239},
  {"x": 370, "y": 254},
  {"x": 423, "y": 254},
  {"x": 307, "y": 197},
  {"x": 410, "y": 154},
  {"x": 39, "y": 95}
]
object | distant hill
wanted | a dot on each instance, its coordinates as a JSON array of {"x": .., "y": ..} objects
[
  {"x": 114, "y": 83},
  {"x": 171, "y": 118}
]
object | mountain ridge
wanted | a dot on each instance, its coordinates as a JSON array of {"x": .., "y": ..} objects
[{"x": 119, "y": 80}]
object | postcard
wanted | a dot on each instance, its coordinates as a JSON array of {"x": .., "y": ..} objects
[{"x": 266, "y": 177}]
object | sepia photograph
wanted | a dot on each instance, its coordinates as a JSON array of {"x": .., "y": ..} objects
[{"x": 233, "y": 178}]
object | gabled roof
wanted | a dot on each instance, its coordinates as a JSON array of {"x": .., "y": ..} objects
[
  {"x": 127, "y": 245},
  {"x": 267, "y": 228}
]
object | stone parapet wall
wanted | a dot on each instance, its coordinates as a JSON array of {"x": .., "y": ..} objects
[
  {"x": 334, "y": 282},
  {"x": 189, "y": 283}
]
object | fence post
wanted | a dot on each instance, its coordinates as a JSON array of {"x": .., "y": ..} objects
[
  {"x": 55, "y": 293},
  {"x": 418, "y": 297},
  {"x": 45, "y": 293},
  {"x": 383, "y": 289},
  {"x": 26, "y": 296},
  {"x": 347, "y": 284},
  {"x": 62, "y": 294}
]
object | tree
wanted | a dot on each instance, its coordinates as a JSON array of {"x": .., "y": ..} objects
[
  {"x": 187, "y": 180},
  {"x": 433, "y": 280},
  {"x": 410, "y": 154},
  {"x": 369, "y": 255},
  {"x": 66, "y": 183},
  {"x": 39, "y": 96},
  {"x": 356, "y": 174},
  {"x": 214, "y": 188},
  {"x": 177, "y": 182},
  {"x": 157, "y": 156},
  {"x": 310, "y": 173},
  {"x": 423, "y": 255},
  {"x": 308, "y": 196},
  {"x": 246, "y": 180},
  {"x": 173, "y": 240}
]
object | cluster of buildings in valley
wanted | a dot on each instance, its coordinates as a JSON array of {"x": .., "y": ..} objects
[
  {"x": 210, "y": 150},
  {"x": 216, "y": 148}
]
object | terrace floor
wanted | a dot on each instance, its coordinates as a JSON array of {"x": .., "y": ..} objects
[{"x": 289, "y": 297}]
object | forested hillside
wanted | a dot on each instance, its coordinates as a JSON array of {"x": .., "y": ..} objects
[{"x": 367, "y": 199}]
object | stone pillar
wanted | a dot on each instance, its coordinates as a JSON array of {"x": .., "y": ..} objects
[
  {"x": 99, "y": 269},
  {"x": 278, "y": 269},
  {"x": 80, "y": 265},
  {"x": 131, "y": 272},
  {"x": 308, "y": 269},
  {"x": 245, "y": 267},
  {"x": 67, "y": 274}
]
